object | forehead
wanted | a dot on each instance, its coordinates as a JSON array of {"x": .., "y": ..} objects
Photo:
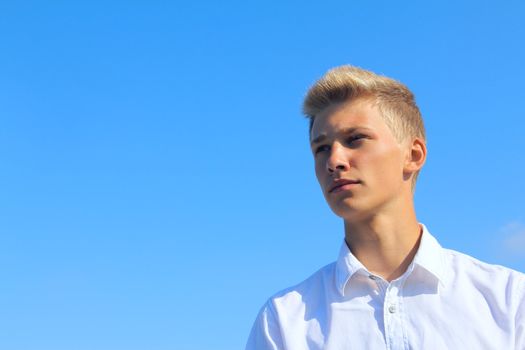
[{"x": 361, "y": 113}]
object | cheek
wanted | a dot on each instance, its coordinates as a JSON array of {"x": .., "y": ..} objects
[
  {"x": 322, "y": 176},
  {"x": 319, "y": 172},
  {"x": 385, "y": 165},
  {"x": 319, "y": 166}
]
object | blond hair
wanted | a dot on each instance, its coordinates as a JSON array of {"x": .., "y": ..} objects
[
  {"x": 347, "y": 83},
  {"x": 393, "y": 99}
]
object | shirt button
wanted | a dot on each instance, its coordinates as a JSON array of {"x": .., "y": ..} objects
[{"x": 392, "y": 309}]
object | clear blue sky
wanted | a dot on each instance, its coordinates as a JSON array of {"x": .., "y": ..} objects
[{"x": 156, "y": 181}]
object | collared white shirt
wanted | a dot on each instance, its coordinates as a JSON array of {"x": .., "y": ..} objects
[{"x": 445, "y": 300}]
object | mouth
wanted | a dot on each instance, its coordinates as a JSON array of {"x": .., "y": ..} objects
[{"x": 342, "y": 185}]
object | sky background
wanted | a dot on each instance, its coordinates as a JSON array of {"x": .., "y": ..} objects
[{"x": 156, "y": 181}]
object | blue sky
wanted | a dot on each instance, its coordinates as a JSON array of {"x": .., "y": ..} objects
[{"x": 157, "y": 185}]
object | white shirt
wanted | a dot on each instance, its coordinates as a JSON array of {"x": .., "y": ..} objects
[{"x": 445, "y": 300}]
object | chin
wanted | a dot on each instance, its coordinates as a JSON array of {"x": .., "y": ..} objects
[
  {"x": 351, "y": 211},
  {"x": 355, "y": 216}
]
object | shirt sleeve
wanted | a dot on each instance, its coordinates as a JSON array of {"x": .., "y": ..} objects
[
  {"x": 520, "y": 318},
  {"x": 266, "y": 332}
]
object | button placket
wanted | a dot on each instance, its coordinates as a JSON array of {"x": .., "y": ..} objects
[
  {"x": 393, "y": 318},
  {"x": 392, "y": 308},
  {"x": 392, "y": 294}
]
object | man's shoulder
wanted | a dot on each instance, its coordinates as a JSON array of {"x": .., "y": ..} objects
[
  {"x": 313, "y": 288},
  {"x": 463, "y": 260},
  {"x": 483, "y": 272}
]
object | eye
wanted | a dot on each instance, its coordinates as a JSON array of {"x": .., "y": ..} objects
[
  {"x": 355, "y": 139},
  {"x": 322, "y": 148}
]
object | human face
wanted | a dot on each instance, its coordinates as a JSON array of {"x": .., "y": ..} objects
[{"x": 358, "y": 161}]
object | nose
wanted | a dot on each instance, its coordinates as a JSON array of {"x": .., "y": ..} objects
[{"x": 337, "y": 160}]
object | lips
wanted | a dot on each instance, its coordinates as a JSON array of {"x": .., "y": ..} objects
[{"x": 338, "y": 184}]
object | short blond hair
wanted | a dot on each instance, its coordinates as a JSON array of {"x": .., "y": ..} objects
[
  {"x": 348, "y": 83},
  {"x": 394, "y": 100}
]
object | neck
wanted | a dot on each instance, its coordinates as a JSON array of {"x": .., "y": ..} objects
[{"x": 385, "y": 244}]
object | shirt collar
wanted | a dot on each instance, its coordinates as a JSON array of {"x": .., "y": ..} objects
[
  {"x": 347, "y": 265},
  {"x": 429, "y": 256}
]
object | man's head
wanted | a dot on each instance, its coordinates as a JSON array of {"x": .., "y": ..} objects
[
  {"x": 347, "y": 83},
  {"x": 367, "y": 135}
]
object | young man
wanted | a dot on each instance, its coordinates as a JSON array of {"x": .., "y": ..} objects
[{"x": 393, "y": 286}]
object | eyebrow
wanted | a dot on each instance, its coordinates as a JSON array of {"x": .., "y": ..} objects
[
  {"x": 345, "y": 131},
  {"x": 318, "y": 139}
]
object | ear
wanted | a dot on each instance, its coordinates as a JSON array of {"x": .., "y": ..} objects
[{"x": 416, "y": 156}]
